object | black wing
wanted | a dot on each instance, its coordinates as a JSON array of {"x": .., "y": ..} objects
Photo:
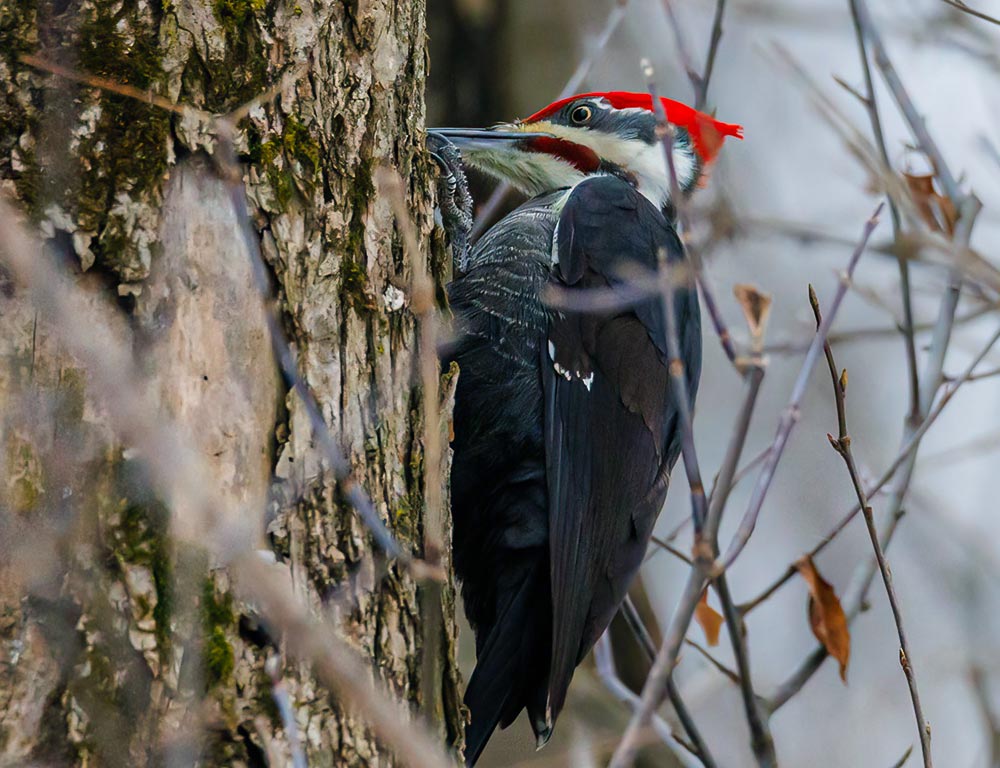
[{"x": 610, "y": 418}]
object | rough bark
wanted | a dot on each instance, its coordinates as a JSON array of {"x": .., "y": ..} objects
[{"x": 115, "y": 648}]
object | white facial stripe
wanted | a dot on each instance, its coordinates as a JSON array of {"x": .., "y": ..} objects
[
  {"x": 531, "y": 172},
  {"x": 650, "y": 167},
  {"x": 644, "y": 160},
  {"x": 537, "y": 172}
]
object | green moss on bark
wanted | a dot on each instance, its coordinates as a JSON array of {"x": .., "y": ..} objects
[
  {"x": 216, "y": 619},
  {"x": 142, "y": 537},
  {"x": 18, "y": 35},
  {"x": 242, "y": 72}
]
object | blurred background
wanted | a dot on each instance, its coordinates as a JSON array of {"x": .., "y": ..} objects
[{"x": 791, "y": 201}]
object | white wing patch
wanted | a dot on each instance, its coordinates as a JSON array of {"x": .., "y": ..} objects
[{"x": 588, "y": 379}]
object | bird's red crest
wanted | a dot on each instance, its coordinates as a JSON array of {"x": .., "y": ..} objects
[{"x": 706, "y": 132}]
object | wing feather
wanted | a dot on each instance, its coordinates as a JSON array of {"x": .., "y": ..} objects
[{"x": 610, "y": 417}]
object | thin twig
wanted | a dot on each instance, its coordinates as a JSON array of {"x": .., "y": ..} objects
[
  {"x": 423, "y": 308},
  {"x": 733, "y": 677},
  {"x": 903, "y": 758},
  {"x": 680, "y": 203},
  {"x": 663, "y": 666},
  {"x": 972, "y": 11},
  {"x": 676, "y": 365},
  {"x": 604, "y": 661},
  {"x": 631, "y": 615},
  {"x": 156, "y": 100},
  {"x": 682, "y": 399},
  {"x": 112, "y": 86},
  {"x": 791, "y": 413},
  {"x": 726, "y": 480},
  {"x": 351, "y": 489},
  {"x": 901, "y": 458},
  {"x": 842, "y": 444},
  {"x": 762, "y": 742},
  {"x": 680, "y": 42},
  {"x": 699, "y": 83},
  {"x": 666, "y": 545},
  {"x": 750, "y": 466},
  {"x": 980, "y": 685},
  {"x": 867, "y": 334},
  {"x": 279, "y": 691},
  {"x": 713, "y": 49},
  {"x": 909, "y": 110},
  {"x": 871, "y": 106},
  {"x": 865, "y": 572}
]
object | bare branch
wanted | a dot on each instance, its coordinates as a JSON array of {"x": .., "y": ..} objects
[
  {"x": 866, "y": 570},
  {"x": 279, "y": 691},
  {"x": 700, "y": 747},
  {"x": 665, "y": 131},
  {"x": 606, "y": 671},
  {"x": 667, "y": 546},
  {"x": 680, "y": 41},
  {"x": 842, "y": 444},
  {"x": 713, "y": 49},
  {"x": 761, "y": 739},
  {"x": 903, "y": 758},
  {"x": 902, "y": 457},
  {"x": 352, "y": 491},
  {"x": 791, "y": 414},
  {"x": 112, "y": 86},
  {"x": 906, "y": 106},
  {"x": 663, "y": 666},
  {"x": 972, "y": 11},
  {"x": 678, "y": 374},
  {"x": 733, "y": 677},
  {"x": 335, "y": 664},
  {"x": 871, "y": 105},
  {"x": 990, "y": 720}
]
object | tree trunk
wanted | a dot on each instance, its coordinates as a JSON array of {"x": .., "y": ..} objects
[{"x": 116, "y": 646}]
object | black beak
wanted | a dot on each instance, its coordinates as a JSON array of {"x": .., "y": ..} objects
[{"x": 470, "y": 138}]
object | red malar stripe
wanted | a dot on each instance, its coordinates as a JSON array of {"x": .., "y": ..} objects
[{"x": 584, "y": 159}]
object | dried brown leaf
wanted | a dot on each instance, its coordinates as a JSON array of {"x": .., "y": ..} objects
[
  {"x": 756, "y": 307},
  {"x": 709, "y": 619},
  {"x": 826, "y": 615},
  {"x": 937, "y": 211}
]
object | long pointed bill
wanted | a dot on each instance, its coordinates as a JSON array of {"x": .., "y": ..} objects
[
  {"x": 484, "y": 138},
  {"x": 532, "y": 161}
]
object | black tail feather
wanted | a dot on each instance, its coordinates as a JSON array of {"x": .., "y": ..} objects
[{"x": 507, "y": 664}]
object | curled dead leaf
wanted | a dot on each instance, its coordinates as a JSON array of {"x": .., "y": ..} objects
[
  {"x": 937, "y": 211},
  {"x": 709, "y": 619},
  {"x": 826, "y": 615},
  {"x": 756, "y": 306}
]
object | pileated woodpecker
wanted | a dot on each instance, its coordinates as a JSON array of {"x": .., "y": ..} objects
[{"x": 566, "y": 425}]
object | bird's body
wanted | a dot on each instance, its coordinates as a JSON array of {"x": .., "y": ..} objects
[{"x": 565, "y": 432}]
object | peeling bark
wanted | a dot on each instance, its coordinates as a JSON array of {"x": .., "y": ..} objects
[{"x": 115, "y": 649}]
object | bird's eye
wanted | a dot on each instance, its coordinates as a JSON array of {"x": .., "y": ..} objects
[{"x": 581, "y": 114}]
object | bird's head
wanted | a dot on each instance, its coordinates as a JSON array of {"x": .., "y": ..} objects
[{"x": 596, "y": 133}]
